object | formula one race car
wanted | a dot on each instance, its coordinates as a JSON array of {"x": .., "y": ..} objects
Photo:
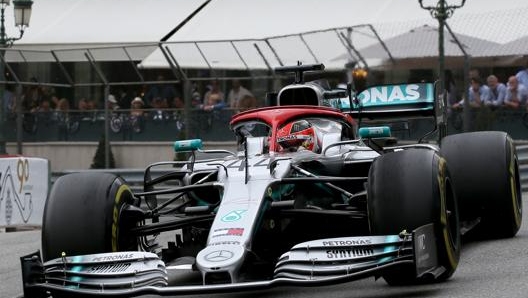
[{"x": 310, "y": 198}]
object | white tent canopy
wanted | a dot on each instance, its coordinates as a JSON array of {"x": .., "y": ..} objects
[
  {"x": 67, "y": 22},
  {"x": 83, "y": 24},
  {"x": 311, "y": 47},
  {"x": 259, "y": 19}
]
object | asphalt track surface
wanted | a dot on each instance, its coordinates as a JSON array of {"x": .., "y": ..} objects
[{"x": 497, "y": 268}]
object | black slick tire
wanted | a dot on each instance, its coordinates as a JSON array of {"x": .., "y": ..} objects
[
  {"x": 82, "y": 216},
  {"x": 485, "y": 173},
  {"x": 408, "y": 189}
]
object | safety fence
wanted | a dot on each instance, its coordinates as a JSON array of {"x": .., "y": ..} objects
[
  {"x": 522, "y": 153},
  {"x": 170, "y": 125}
]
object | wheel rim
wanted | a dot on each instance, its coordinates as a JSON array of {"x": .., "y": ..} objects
[{"x": 452, "y": 223}]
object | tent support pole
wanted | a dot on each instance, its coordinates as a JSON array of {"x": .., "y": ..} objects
[
  {"x": 467, "y": 62},
  {"x": 99, "y": 73},
  {"x": 274, "y": 52},
  {"x": 309, "y": 49}
]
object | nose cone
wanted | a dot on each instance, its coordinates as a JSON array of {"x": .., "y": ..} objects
[{"x": 220, "y": 257}]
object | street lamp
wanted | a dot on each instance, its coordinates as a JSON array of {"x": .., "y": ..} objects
[
  {"x": 22, "y": 16},
  {"x": 442, "y": 11}
]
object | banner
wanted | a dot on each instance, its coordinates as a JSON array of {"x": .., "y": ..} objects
[{"x": 24, "y": 189}]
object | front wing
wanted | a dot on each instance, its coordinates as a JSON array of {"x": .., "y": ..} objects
[{"x": 313, "y": 263}]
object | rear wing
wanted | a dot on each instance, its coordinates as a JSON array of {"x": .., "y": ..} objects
[
  {"x": 389, "y": 103},
  {"x": 394, "y": 102}
]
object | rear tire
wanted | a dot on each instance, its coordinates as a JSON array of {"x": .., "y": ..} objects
[
  {"x": 408, "y": 189},
  {"x": 83, "y": 216},
  {"x": 486, "y": 180}
]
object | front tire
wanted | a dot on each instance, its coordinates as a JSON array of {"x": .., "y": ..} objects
[
  {"x": 408, "y": 189},
  {"x": 83, "y": 216}
]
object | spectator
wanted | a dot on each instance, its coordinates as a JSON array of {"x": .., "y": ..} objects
[
  {"x": 160, "y": 105},
  {"x": 82, "y": 104},
  {"x": 112, "y": 103},
  {"x": 450, "y": 87},
  {"x": 196, "y": 99},
  {"x": 236, "y": 94},
  {"x": 9, "y": 101},
  {"x": 54, "y": 101},
  {"x": 478, "y": 94},
  {"x": 32, "y": 97},
  {"x": 137, "y": 107},
  {"x": 44, "y": 113},
  {"x": 247, "y": 102},
  {"x": 474, "y": 74},
  {"x": 163, "y": 91},
  {"x": 214, "y": 99},
  {"x": 497, "y": 92},
  {"x": 522, "y": 76},
  {"x": 86, "y": 109},
  {"x": 516, "y": 94},
  {"x": 124, "y": 99},
  {"x": 62, "y": 110},
  {"x": 178, "y": 103}
]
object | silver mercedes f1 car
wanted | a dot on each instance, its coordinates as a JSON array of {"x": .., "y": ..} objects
[{"x": 312, "y": 197}]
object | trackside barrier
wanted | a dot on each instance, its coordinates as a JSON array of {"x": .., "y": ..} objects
[
  {"x": 135, "y": 176},
  {"x": 24, "y": 186},
  {"x": 522, "y": 155}
]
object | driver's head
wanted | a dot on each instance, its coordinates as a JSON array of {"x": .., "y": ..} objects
[{"x": 297, "y": 134}]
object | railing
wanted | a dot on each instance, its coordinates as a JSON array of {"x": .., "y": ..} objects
[
  {"x": 153, "y": 125},
  {"x": 522, "y": 154},
  {"x": 135, "y": 176},
  {"x": 168, "y": 125}
]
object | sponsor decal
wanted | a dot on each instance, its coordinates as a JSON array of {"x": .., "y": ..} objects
[
  {"x": 23, "y": 174},
  {"x": 347, "y": 242},
  {"x": 224, "y": 243},
  {"x": 397, "y": 94},
  {"x": 8, "y": 208},
  {"x": 241, "y": 164},
  {"x": 228, "y": 232},
  {"x": 232, "y": 216},
  {"x": 219, "y": 255},
  {"x": 421, "y": 241},
  {"x": 111, "y": 258},
  {"x": 108, "y": 268},
  {"x": 349, "y": 253},
  {"x": 22, "y": 196}
]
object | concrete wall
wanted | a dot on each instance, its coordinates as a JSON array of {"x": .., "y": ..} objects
[{"x": 79, "y": 155}]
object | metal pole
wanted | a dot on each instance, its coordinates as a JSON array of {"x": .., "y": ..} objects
[
  {"x": 107, "y": 127},
  {"x": 466, "y": 115},
  {"x": 442, "y": 126},
  {"x": 3, "y": 44},
  {"x": 19, "y": 118},
  {"x": 442, "y": 11}
]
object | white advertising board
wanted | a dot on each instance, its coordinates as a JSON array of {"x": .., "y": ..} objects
[{"x": 24, "y": 187}]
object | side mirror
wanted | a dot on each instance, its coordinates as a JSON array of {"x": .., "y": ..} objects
[{"x": 188, "y": 145}]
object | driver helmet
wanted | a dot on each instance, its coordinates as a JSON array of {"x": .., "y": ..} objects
[{"x": 298, "y": 134}]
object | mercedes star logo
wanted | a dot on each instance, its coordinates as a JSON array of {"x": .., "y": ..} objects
[{"x": 219, "y": 256}]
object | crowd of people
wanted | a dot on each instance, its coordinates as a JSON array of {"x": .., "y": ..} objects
[
  {"x": 158, "y": 102},
  {"x": 513, "y": 94},
  {"x": 164, "y": 102}
]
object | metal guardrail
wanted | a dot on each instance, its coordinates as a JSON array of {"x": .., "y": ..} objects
[
  {"x": 522, "y": 155},
  {"x": 135, "y": 176}
]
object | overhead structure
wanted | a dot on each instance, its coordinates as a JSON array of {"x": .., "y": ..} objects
[{"x": 320, "y": 46}]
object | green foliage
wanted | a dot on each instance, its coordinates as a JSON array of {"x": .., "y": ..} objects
[{"x": 99, "y": 158}]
